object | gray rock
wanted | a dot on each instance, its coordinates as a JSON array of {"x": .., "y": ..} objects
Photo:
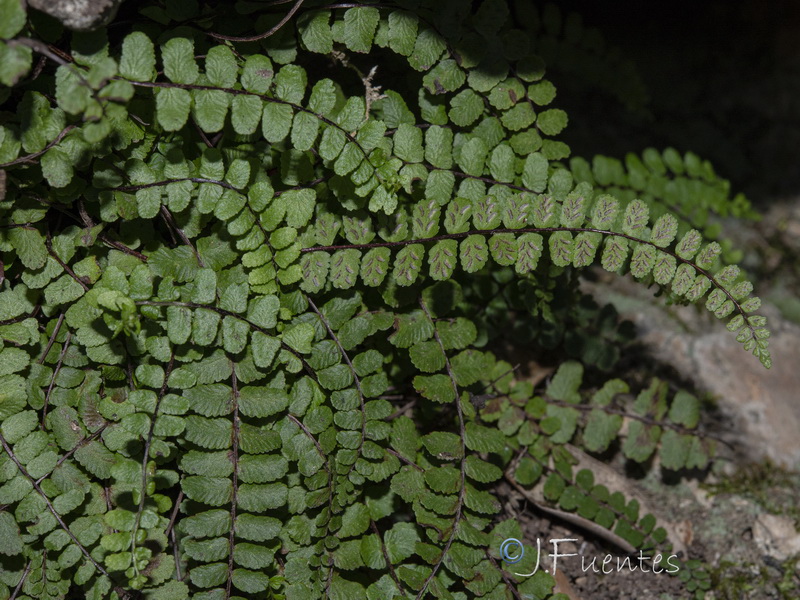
[
  {"x": 762, "y": 404},
  {"x": 776, "y": 536},
  {"x": 81, "y": 15}
]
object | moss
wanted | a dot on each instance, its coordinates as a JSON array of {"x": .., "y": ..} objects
[
  {"x": 771, "y": 579},
  {"x": 772, "y": 487}
]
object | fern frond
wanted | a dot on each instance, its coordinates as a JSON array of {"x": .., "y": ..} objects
[{"x": 248, "y": 308}]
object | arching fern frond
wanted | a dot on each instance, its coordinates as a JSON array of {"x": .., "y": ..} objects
[{"x": 650, "y": 251}]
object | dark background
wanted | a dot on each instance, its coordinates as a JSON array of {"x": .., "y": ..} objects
[{"x": 723, "y": 80}]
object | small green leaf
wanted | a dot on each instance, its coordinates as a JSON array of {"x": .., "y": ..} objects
[
  {"x": 138, "y": 59},
  {"x": 573, "y": 210},
  {"x": 72, "y": 93},
  {"x": 15, "y": 62},
  {"x": 552, "y": 122},
  {"x": 664, "y": 268},
  {"x": 503, "y": 247},
  {"x": 641, "y": 441},
  {"x": 14, "y": 18},
  {"x": 518, "y": 117},
  {"x": 442, "y": 259},
  {"x": 246, "y": 114},
  {"x": 473, "y": 253},
  {"x": 457, "y": 216},
  {"x": 374, "y": 266},
  {"x": 210, "y": 109},
  {"x": 562, "y": 248},
  {"x": 178, "y": 57},
  {"x": 501, "y": 163},
  {"x": 315, "y": 270},
  {"x": 298, "y": 337},
  {"x": 316, "y": 31},
  {"x": 427, "y": 356},
  {"x": 675, "y": 448},
  {"x": 355, "y": 521},
  {"x": 643, "y": 259},
  {"x": 172, "y": 108},
  {"x": 402, "y": 32},
  {"x": 359, "y": 28},
  {"x": 534, "y": 174},
  {"x": 586, "y": 243},
  {"x": 615, "y": 253},
  {"x": 408, "y": 143},
  {"x": 664, "y": 230},
  {"x": 528, "y": 471},
  {"x": 446, "y": 76},
  {"x": 466, "y": 107},
  {"x": 604, "y": 212},
  {"x": 601, "y": 429},
  {"x": 221, "y": 68},
  {"x": 530, "y": 246},
  {"x": 482, "y": 471},
  {"x": 408, "y": 263},
  {"x": 635, "y": 219},
  {"x": 439, "y": 147},
  {"x": 213, "y": 491},
  {"x": 290, "y": 83},
  {"x": 277, "y": 121},
  {"x": 331, "y": 143},
  {"x": 344, "y": 268},
  {"x": 470, "y": 366},
  {"x": 689, "y": 244},
  {"x": 484, "y": 439},
  {"x": 708, "y": 255},
  {"x": 684, "y": 278},
  {"x": 264, "y": 349},
  {"x": 443, "y": 445},
  {"x": 428, "y": 47},
  {"x": 29, "y": 245},
  {"x": 257, "y": 74},
  {"x": 685, "y": 410},
  {"x": 473, "y": 157},
  {"x": 57, "y": 168},
  {"x": 438, "y": 388},
  {"x": 304, "y": 131},
  {"x": 257, "y": 401}
]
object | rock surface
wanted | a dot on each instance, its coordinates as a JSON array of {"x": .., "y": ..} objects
[
  {"x": 775, "y": 536},
  {"x": 763, "y": 404},
  {"x": 81, "y": 15}
]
